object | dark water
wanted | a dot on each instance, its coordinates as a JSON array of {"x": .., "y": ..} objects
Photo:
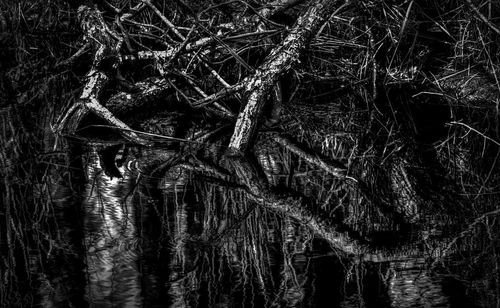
[
  {"x": 176, "y": 242},
  {"x": 140, "y": 245}
]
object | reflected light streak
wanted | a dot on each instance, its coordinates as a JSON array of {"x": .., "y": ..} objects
[{"x": 111, "y": 240}]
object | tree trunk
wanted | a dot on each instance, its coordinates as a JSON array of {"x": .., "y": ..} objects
[{"x": 277, "y": 63}]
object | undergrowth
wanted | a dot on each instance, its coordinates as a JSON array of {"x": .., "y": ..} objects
[{"x": 405, "y": 93}]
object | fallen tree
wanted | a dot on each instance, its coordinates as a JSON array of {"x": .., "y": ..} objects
[
  {"x": 368, "y": 126},
  {"x": 213, "y": 82}
]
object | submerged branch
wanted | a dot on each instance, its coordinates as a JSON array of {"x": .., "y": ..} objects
[{"x": 297, "y": 208}]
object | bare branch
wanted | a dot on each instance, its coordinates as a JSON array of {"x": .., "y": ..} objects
[
  {"x": 123, "y": 103},
  {"x": 335, "y": 168},
  {"x": 105, "y": 44},
  {"x": 482, "y": 17},
  {"x": 277, "y": 63}
]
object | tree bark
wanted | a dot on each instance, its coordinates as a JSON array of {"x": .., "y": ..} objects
[
  {"x": 277, "y": 63},
  {"x": 298, "y": 208},
  {"x": 149, "y": 91},
  {"x": 335, "y": 168},
  {"x": 105, "y": 44}
]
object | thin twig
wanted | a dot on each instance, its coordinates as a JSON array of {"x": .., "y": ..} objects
[
  {"x": 476, "y": 131},
  {"x": 216, "y": 96},
  {"x": 482, "y": 17}
]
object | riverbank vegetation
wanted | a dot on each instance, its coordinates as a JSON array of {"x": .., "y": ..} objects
[{"x": 370, "y": 125}]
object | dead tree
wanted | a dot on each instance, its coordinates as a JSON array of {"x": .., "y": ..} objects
[{"x": 196, "y": 61}]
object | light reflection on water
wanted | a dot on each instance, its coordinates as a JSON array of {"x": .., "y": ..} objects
[
  {"x": 413, "y": 285},
  {"x": 110, "y": 241},
  {"x": 146, "y": 249}
]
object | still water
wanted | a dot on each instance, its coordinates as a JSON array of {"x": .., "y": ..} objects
[{"x": 171, "y": 242}]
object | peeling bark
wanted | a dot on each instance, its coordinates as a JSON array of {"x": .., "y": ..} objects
[
  {"x": 278, "y": 62},
  {"x": 124, "y": 103},
  {"x": 105, "y": 44}
]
